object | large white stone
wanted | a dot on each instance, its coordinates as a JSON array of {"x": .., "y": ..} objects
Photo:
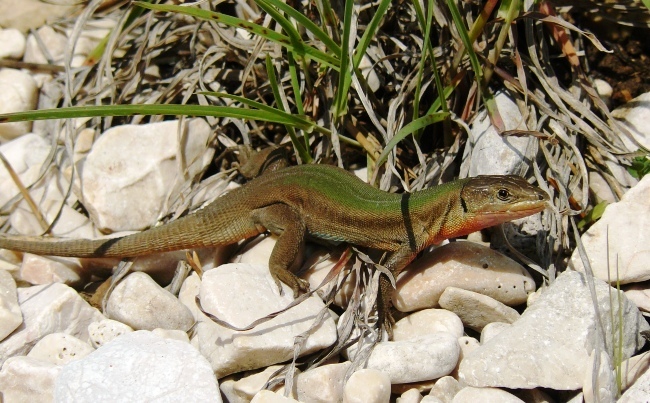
[
  {"x": 18, "y": 93},
  {"x": 485, "y": 395},
  {"x": 139, "y": 366},
  {"x": 427, "y": 321},
  {"x": 106, "y": 331},
  {"x": 133, "y": 169},
  {"x": 44, "y": 270},
  {"x": 416, "y": 360},
  {"x": 322, "y": 384},
  {"x": 27, "y": 379},
  {"x": 367, "y": 386},
  {"x": 489, "y": 153},
  {"x": 240, "y": 294},
  {"x": 551, "y": 344},
  {"x": 639, "y": 293},
  {"x": 48, "y": 309},
  {"x": 476, "y": 310},
  {"x": 445, "y": 389},
  {"x": 54, "y": 43},
  {"x": 29, "y": 14},
  {"x": 12, "y": 44},
  {"x": 618, "y": 245},
  {"x": 10, "y": 315},
  {"x": 60, "y": 349},
  {"x": 142, "y": 304},
  {"x": 410, "y": 396},
  {"x": 465, "y": 265}
]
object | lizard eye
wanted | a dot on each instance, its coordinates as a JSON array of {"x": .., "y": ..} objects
[{"x": 503, "y": 194}]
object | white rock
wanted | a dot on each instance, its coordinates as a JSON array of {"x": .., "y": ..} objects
[
  {"x": 366, "y": 67},
  {"x": 30, "y": 14},
  {"x": 476, "y": 310},
  {"x": 48, "y": 309},
  {"x": 485, "y": 395},
  {"x": 492, "y": 330},
  {"x": 27, "y": 379},
  {"x": 60, "y": 349},
  {"x": 600, "y": 188},
  {"x": 139, "y": 366},
  {"x": 256, "y": 252},
  {"x": 45, "y": 270},
  {"x": 601, "y": 385},
  {"x": 489, "y": 153},
  {"x": 105, "y": 331},
  {"x": 141, "y": 303},
  {"x": 427, "y": 321},
  {"x": 410, "y": 396},
  {"x": 241, "y": 294},
  {"x": 322, "y": 384},
  {"x": 465, "y": 265},
  {"x": 445, "y": 389},
  {"x": 634, "y": 116},
  {"x": 467, "y": 345},
  {"x": 430, "y": 399},
  {"x": 53, "y": 41},
  {"x": 639, "y": 293},
  {"x": 10, "y": 315},
  {"x": 421, "y": 359},
  {"x": 172, "y": 334},
  {"x": 244, "y": 389},
  {"x": 639, "y": 392},
  {"x": 127, "y": 175},
  {"x": 367, "y": 386},
  {"x": 604, "y": 90},
  {"x": 187, "y": 296},
  {"x": 12, "y": 44},
  {"x": 550, "y": 345},
  {"x": 26, "y": 154},
  {"x": 18, "y": 93},
  {"x": 266, "y": 396},
  {"x": 623, "y": 235}
]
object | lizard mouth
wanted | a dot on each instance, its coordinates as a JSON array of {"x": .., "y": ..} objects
[{"x": 490, "y": 218}]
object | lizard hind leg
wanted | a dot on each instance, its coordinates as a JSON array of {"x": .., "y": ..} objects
[{"x": 284, "y": 222}]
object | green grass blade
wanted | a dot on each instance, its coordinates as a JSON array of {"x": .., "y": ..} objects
[
  {"x": 370, "y": 32},
  {"x": 423, "y": 59},
  {"x": 302, "y": 152},
  {"x": 309, "y": 25},
  {"x": 412, "y": 127},
  {"x": 269, "y": 34},
  {"x": 345, "y": 78},
  {"x": 464, "y": 36},
  {"x": 295, "y": 85},
  {"x": 170, "y": 110}
]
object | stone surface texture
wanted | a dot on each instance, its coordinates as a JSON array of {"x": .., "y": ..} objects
[
  {"x": 465, "y": 265},
  {"x": 551, "y": 344},
  {"x": 139, "y": 366}
]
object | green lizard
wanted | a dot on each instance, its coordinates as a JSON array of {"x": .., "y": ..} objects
[{"x": 324, "y": 202}]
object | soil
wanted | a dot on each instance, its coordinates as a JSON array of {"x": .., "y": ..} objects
[{"x": 627, "y": 68}]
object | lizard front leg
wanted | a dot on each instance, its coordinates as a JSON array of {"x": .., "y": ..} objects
[
  {"x": 396, "y": 262},
  {"x": 288, "y": 225}
]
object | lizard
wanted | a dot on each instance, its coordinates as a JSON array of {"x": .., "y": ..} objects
[{"x": 327, "y": 203}]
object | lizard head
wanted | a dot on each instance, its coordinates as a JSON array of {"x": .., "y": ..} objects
[{"x": 494, "y": 199}]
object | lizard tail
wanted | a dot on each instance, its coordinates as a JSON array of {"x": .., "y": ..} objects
[{"x": 192, "y": 231}]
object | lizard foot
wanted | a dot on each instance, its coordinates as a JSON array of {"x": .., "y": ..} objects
[{"x": 294, "y": 282}]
